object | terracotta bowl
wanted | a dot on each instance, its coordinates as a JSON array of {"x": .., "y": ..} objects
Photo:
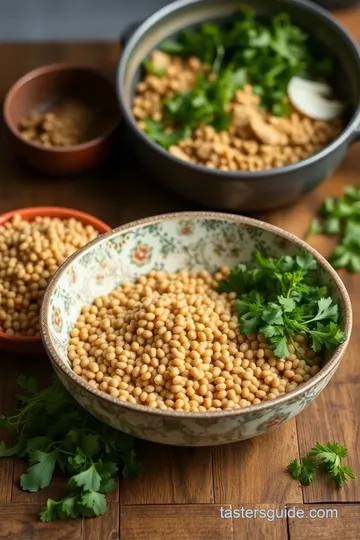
[
  {"x": 192, "y": 241},
  {"x": 47, "y": 86},
  {"x": 32, "y": 345}
]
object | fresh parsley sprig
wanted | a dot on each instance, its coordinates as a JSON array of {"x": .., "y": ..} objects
[
  {"x": 325, "y": 457},
  {"x": 281, "y": 298},
  {"x": 53, "y": 432},
  {"x": 303, "y": 470},
  {"x": 341, "y": 217},
  {"x": 157, "y": 132}
]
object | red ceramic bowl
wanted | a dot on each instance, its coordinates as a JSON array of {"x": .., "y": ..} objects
[{"x": 33, "y": 345}]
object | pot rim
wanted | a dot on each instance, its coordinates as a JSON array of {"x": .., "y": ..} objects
[
  {"x": 346, "y": 135},
  {"x": 285, "y": 399}
]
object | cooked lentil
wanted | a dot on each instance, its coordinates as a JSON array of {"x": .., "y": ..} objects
[
  {"x": 172, "y": 342},
  {"x": 255, "y": 140},
  {"x": 30, "y": 253}
]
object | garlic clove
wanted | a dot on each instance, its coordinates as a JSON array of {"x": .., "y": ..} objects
[
  {"x": 314, "y": 86},
  {"x": 312, "y": 99}
]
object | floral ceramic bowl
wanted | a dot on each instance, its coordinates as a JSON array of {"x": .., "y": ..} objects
[{"x": 193, "y": 241}]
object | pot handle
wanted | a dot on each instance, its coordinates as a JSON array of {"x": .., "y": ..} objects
[{"x": 128, "y": 32}]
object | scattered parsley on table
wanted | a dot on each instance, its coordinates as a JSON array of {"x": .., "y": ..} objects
[
  {"x": 341, "y": 218},
  {"x": 328, "y": 458},
  {"x": 54, "y": 432}
]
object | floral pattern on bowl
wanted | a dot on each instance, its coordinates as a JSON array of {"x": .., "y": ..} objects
[{"x": 193, "y": 241}]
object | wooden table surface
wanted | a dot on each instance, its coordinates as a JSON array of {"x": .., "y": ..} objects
[{"x": 181, "y": 492}]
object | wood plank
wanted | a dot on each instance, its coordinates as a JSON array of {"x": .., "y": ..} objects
[
  {"x": 21, "y": 522},
  {"x": 7, "y": 406},
  {"x": 254, "y": 471},
  {"x": 261, "y": 523},
  {"x": 346, "y": 526},
  {"x": 170, "y": 475},
  {"x": 103, "y": 528},
  {"x": 178, "y": 522}
]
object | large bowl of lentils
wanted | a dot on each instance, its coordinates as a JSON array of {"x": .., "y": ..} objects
[
  {"x": 174, "y": 328},
  {"x": 240, "y": 105}
]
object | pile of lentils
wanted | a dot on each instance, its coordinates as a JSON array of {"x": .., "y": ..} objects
[
  {"x": 31, "y": 252},
  {"x": 172, "y": 342}
]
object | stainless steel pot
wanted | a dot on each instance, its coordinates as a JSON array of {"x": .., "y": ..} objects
[{"x": 240, "y": 191}]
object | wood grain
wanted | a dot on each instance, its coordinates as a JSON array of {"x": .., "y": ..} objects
[
  {"x": 346, "y": 526},
  {"x": 103, "y": 528},
  {"x": 169, "y": 477},
  {"x": 21, "y": 522},
  {"x": 7, "y": 407},
  {"x": 260, "y": 528},
  {"x": 180, "y": 522},
  {"x": 254, "y": 471}
]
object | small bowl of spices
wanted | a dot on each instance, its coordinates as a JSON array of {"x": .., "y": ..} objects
[
  {"x": 34, "y": 242},
  {"x": 61, "y": 118}
]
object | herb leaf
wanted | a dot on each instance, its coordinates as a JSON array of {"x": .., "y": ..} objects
[
  {"x": 39, "y": 475},
  {"x": 341, "y": 217},
  {"x": 303, "y": 470},
  {"x": 157, "y": 132},
  {"x": 94, "y": 501},
  {"x": 89, "y": 479}
]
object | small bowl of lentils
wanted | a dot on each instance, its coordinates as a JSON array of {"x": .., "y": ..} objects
[{"x": 34, "y": 242}]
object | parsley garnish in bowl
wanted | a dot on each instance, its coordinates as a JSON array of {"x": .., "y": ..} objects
[{"x": 281, "y": 298}]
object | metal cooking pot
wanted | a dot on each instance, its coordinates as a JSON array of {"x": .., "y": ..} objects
[{"x": 240, "y": 191}]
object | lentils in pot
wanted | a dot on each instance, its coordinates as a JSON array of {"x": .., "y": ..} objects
[
  {"x": 30, "y": 253},
  {"x": 172, "y": 342},
  {"x": 218, "y": 96}
]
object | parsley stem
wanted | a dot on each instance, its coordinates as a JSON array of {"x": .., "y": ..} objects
[
  {"x": 298, "y": 351},
  {"x": 66, "y": 453}
]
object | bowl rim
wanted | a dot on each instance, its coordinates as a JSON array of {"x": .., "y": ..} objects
[
  {"x": 46, "y": 70},
  {"x": 44, "y": 211},
  {"x": 347, "y": 133},
  {"x": 331, "y": 365}
]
